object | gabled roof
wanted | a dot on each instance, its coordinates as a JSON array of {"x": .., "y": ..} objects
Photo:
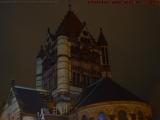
[
  {"x": 71, "y": 26},
  {"x": 51, "y": 38},
  {"x": 85, "y": 37},
  {"x": 51, "y": 35},
  {"x": 101, "y": 39},
  {"x": 50, "y": 42},
  {"x": 30, "y": 100},
  {"x": 105, "y": 90}
]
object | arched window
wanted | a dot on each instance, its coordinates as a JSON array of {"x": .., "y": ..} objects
[
  {"x": 140, "y": 115},
  {"x": 133, "y": 116},
  {"x": 104, "y": 57},
  {"x": 122, "y": 115},
  {"x": 102, "y": 116},
  {"x": 84, "y": 117}
]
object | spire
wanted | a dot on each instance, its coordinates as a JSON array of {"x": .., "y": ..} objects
[
  {"x": 50, "y": 35},
  {"x": 101, "y": 39},
  {"x": 101, "y": 30},
  {"x": 41, "y": 52},
  {"x": 84, "y": 23},
  {"x": 13, "y": 83},
  {"x": 48, "y": 30},
  {"x": 70, "y": 26},
  {"x": 70, "y": 6}
]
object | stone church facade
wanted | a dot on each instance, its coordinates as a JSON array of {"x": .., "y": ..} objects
[
  {"x": 71, "y": 61},
  {"x": 74, "y": 71}
]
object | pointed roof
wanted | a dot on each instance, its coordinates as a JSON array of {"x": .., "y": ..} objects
[
  {"x": 86, "y": 37},
  {"x": 71, "y": 26},
  {"x": 101, "y": 39},
  {"x": 30, "y": 100},
  {"x": 105, "y": 90},
  {"x": 41, "y": 52},
  {"x": 50, "y": 35}
]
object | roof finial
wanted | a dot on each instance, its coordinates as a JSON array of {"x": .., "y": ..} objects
[
  {"x": 101, "y": 30},
  {"x": 13, "y": 83},
  {"x": 84, "y": 23},
  {"x": 48, "y": 30},
  {"x": 69, "y": 6}
]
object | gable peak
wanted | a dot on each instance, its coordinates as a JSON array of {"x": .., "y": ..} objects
[{"x": 101, "y": 39}]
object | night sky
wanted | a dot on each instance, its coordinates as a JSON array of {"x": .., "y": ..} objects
[{"x": 133, "y": 32}]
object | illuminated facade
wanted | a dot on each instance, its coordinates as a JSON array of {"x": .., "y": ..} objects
[
  {"x": 74, "y": 82},
  {"x": 71, "y": 60},
  {"x": 75, "y": 69}
]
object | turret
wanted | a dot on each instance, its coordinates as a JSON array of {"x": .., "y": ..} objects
[
  {"x": 63, "y": 74},
  {"x": 39, "y": 84},
  {"x": 103, "y": 46}
]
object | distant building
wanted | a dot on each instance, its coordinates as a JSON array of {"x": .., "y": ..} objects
[{"x": 73, "y": 67}]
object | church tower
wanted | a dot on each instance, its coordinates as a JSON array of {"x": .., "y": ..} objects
[
  {"x": 73, "y": 60},
  {"x": 104, "y": 58},
  {"x": 63, "y": 74}
]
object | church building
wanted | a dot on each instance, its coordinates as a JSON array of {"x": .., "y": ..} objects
[{"x": 74, "y": 81}]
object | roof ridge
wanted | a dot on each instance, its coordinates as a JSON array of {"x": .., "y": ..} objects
[
  {"x": 105, "y": 90},
  {"x": 129, "y": 92},
  {"x": 90, "y": 93},
  {"x": 95, "y": 82}
]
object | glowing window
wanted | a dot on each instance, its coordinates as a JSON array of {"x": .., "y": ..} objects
[
  {"x": 102, "y": 116},
  {"x": 122, "y": 115}
]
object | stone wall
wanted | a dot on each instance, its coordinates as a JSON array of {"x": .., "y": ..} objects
[{"x": 114, "y": 110}]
